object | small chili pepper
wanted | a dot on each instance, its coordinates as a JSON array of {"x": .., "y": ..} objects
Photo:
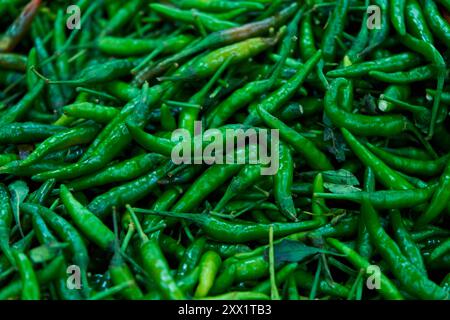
[
  {"x": 440, "y": 198},
  {"x": 67, "y": 233},
  {"x": 393, "y": 63},
  {"x": 397, "y": 11},
  {"x": 438, "y": 25},
  {"x": 387, "y": 287},
  {"x": 413, "y": 281},
  {"x": 410, "y": 166},
  {"x": 237, "y": 232},
  {"x": 86, "y": 221},
  {"x": 87, "y": 110},
  {"x": 313, "y": 156},
  {"x": 405, "y": 242},
  {"x": 19, "y": 27},
  {"x": 415, "y": 21},
  {"x": 283, "y": 181},
  {"x": 129, "y": 192},
  {"x": 334, "y": 28},
  {"x": 209, "y": 265},
  {"x": 404, "y": 77},
  {"x": 62, "y": 140},
  {"x": 122, "y": 171}
]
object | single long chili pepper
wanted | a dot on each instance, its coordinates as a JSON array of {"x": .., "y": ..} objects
[
  {"x": 64, "y": 139},
  {"x": 412, "y": 280},
  {"x": 13, "y": 61},
  {"x": 193, "y": 16},
  {"x": 86, "y": 221},
  {"x": 6, "y": 218},
  {"x": 334, "y": 28},
  {"x": 44, "y": 276},
  {"x": 237, "y": 100},
  {"x": 386, "y": 199},
  {"x": 219, "y": 6},
  {"x": 122, "y": 17},
  {"x": 318, "y": 206},
  {"x": 92, "y": 111},
  {"x": 127, "y": 47},
  {"x": 411, "y": 166},
  {"x": 18, "y": 111},
  {"x": 208, "y": 64},
  {"x": 377, "y": 36},
  {"x": 120, "y": 273},
  {"x": 224, "y": 280},
  {"x": 433, "y": 56},
  {"x": 307, "y": 149},
  {"x": 418, "y": 74},
  {"x": 363, "y": 245},
  {"x": 438, "y": 25},
  {"x": 282, "y": 182},
  {"x": 43, "y": 233},
  {"x": 15, "y": 168},
  {"x": 246, "y": 177},
  {"x": 409, "y": 152},
  {"x": 209, "y": 181},
  {"x": 439, "y": 201},
  {"x": 416, "y": 22},
  {"x": 62, "y": 61},
  {"x": 393, "y": 63},
  {"x": 405, "y": 242},
  {"x": 209, "y": 265},
  {"x": 26, "y": 132},
  {"x": 150, "y": 142},
  {"x": 387, "y": 287},
  {"x": 122, "y": 171},
  {"x": 55, "y": 94},
  {"x": 30, "y": 285},
  {"x": 307, "y": 46},
  {"x": 191, "y": 257},
  {"x": 440, "y": 250},
  {"x": 67, "y": 233},
  {"x": 155, "y": 264},
  {"x": 387, "y": 176},
  {"x": 353, "y": 55},
  {"x": 237, "y": 232},
  {"x": 274, "y": 101},
  {"x": 129, "y": 192},
  {"x": 107, "y": 71},
  {"x": 217, "y": 39},
  {"x": 397, "y": 12},
  {"x": 18, "y": 29}
]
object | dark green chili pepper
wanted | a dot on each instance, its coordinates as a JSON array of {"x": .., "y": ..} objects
[
  {"x": 392, "y": 63},
  {"x": 238, "y": 232},
  {"x": 387, "y": 287},
  {"x": 410, "y": 277}
]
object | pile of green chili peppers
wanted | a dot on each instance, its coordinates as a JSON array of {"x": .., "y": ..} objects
[{"x": 93, "y": 205}]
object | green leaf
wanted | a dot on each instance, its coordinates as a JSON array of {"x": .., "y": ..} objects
[
  {"x": 19, "y": 191},
  {"x": 294, "y": 251},
  {"x": 340, "y": 176}
]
